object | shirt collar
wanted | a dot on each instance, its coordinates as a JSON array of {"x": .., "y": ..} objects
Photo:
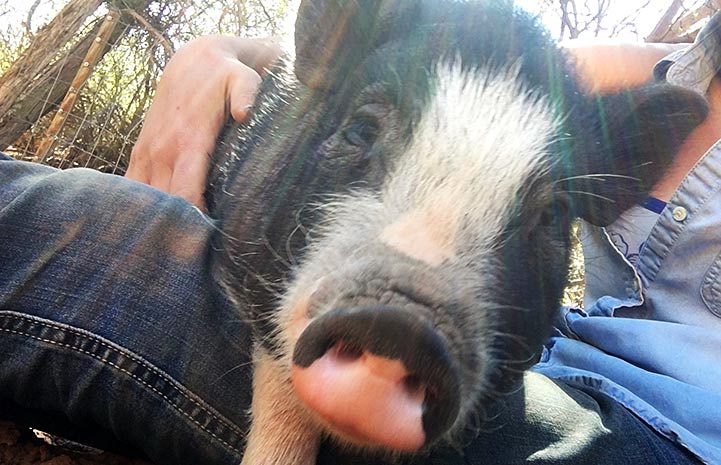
[{"x": 695, "y": 66}]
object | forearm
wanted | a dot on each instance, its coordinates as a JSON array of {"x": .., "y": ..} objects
[{"x": 607, "y": 67}]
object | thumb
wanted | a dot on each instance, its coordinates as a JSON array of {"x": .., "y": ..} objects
[{"x": 243, "y": 85}]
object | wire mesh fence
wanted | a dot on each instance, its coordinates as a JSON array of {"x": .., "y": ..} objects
[
  {"x": 98, "y": 129},
  {"x": 85, "y": 106}
]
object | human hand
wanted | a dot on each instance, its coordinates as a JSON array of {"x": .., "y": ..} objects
[{"x": 207, "y": 80}]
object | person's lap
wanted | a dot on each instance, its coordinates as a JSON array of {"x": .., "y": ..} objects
[{"x": 109, "y": 316}]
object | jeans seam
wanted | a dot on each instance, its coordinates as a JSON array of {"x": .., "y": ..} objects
[{"x": 171, "y": 381}]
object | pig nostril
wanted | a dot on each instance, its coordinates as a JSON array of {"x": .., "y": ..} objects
[
  {"x": 346, "y": 352},
  {"x": 431, "y": 396},
  {"x": 414, "y": 386}
]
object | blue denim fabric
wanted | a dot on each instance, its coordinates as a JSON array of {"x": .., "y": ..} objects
[
  {"x": 650, "y": 336},
  {"x": 108, "y": 317},
  {"x": 108, "y": 314}
]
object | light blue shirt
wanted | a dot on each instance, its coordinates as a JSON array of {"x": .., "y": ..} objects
[{"x": 650, "y": 336}]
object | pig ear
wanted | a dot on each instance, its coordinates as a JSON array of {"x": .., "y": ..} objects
[
  {"x": 633, "y": 139},
  {"x": 333, "y": 36}
]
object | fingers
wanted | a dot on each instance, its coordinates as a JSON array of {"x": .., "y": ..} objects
[
  {"x": 174, "y": 161},
  {"x": 258, "y": 54},
  {"x": 206, "y": 81},
  {"x": 242, "y": 87},
  {"x": 183, "y": 173}
]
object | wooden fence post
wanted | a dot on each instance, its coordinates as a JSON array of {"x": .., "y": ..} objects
[{"x": 81, "y": 77}]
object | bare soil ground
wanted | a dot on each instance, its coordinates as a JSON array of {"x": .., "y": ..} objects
[{"x": 19, "y": 446}]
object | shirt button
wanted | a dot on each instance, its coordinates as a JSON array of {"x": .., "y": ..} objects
[{"x": 679, "y": 214}]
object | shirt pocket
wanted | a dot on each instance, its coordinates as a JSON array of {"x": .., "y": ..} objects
[{"x": 711, "y": 287}]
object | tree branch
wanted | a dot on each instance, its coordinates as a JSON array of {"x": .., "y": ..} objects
[
  {"x": 663, "y": 26},
  {"x": 29, "y": 19}
]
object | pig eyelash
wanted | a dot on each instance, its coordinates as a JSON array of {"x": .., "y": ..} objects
[
  {"x": 523, "y": 344},
  {"x": 596, "y": 177},
  {"x": 286, "y": 262},
  {"x": 491, "y": 393},
  {"x": 511, "y": 337},
  {"x": 231, "y": 370},
  {"x": 292, "y": 259},
  {"x": 214, "y": 226},
  {"x": 478, "y": 421},
  {"x": 269, "y": 285},
  {"x": 591, "y": 194},
  {"x": 507, "y": 365},
  {"x": 512, "y": 307},
  {"x": 247, "y": 320}
]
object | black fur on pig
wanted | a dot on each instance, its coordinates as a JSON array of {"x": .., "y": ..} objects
[{"x": 312, "y": 137}]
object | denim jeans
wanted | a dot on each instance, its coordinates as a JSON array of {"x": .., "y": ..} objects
[{"x": 110, "y": 320}]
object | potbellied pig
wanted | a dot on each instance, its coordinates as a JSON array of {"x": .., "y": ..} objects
[{"x": 395, "y": 218}]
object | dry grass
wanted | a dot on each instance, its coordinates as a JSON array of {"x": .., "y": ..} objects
[{"x": 573, "y": 295}]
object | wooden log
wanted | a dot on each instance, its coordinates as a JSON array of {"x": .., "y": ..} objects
[
  {"x": 81, "y": 77},
  {"x": 38, "y": 55},
  {"x": 681, "y": 29},
  {"x": 42, "y": 90}
]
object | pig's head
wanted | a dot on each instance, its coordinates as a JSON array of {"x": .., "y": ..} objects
[{"x": 448, "y": 150}]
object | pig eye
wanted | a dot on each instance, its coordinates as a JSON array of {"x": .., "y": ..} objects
[{"x": 362, "y": 132}]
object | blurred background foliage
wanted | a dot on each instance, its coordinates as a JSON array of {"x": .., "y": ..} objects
[{"x": 45, "y": 43}]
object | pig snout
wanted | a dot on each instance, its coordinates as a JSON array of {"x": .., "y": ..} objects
[{"x": 379, "y": 376}]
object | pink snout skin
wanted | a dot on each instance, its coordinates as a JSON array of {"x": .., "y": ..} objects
[{"x": 365, "y": 398}]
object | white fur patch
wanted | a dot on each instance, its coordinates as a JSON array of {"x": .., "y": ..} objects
[{"x": 482, "y": 137}]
